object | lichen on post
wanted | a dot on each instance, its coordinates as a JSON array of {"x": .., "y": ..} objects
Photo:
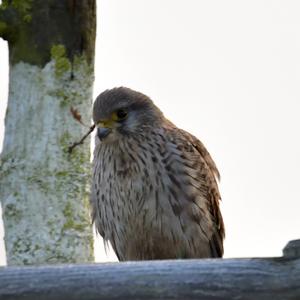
[{"x": 45, "y": 188}]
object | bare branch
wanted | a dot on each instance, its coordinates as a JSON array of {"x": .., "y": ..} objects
[{"x": 70, "y": 149}]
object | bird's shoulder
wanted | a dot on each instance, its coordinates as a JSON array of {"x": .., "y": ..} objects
[{"x": 188, "y": 143}]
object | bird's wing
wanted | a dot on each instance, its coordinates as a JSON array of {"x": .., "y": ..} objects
[{"x": 208, "y": 175}]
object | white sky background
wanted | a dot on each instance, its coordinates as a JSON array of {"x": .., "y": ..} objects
[{"x": 228, "y": 72}]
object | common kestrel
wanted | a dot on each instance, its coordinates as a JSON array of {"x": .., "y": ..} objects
[{"x": 154, "y": 192}]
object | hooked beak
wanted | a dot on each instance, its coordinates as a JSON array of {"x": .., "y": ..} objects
[{"x": 103, "y": 132}]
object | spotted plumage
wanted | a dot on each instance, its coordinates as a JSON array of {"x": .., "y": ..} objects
[{"x": 154, "y": 192}]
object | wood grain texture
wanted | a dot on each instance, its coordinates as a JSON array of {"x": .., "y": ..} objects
[{"x": 209, "y": 279}]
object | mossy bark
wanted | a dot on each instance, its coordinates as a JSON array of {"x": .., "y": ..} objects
[{"x": 44, "y": 189}]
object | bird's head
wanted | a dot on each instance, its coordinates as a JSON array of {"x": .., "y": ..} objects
[{"x": 123, "y": 112}]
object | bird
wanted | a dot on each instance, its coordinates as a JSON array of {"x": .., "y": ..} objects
[{"x": 154, "y": 192}]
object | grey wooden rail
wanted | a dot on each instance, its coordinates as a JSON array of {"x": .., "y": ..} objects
[{"x": 207, "y": 279}]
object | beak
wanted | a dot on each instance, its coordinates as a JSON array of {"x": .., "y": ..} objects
[{"x": 103, "y": 132}]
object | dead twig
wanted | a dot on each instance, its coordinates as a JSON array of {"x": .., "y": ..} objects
[
  {"x": 70, "y": 149},
  {"x": 77, "y": 116}
]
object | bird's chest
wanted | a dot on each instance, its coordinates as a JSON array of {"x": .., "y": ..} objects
[{"x": 125, "y": 184}]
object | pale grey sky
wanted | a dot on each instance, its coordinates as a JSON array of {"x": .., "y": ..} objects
[{"x": 229, "y": 72}]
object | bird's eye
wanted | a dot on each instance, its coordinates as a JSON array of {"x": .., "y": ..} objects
[{"x": 121, "y": 114}]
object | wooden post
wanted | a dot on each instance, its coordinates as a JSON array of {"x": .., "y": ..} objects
[
  {"x": 207, "y": 279},
  {"x": 44, "y": 190},
  {"x": 292, "y": 249}
]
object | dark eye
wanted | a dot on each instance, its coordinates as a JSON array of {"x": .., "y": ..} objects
[{"x": 121, "y": 114}]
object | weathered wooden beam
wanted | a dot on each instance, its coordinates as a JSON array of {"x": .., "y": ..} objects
[{"x": 209, "y": 279}]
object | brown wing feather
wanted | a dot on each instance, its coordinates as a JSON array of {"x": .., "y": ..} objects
[{"x": 213, "y": 196}]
